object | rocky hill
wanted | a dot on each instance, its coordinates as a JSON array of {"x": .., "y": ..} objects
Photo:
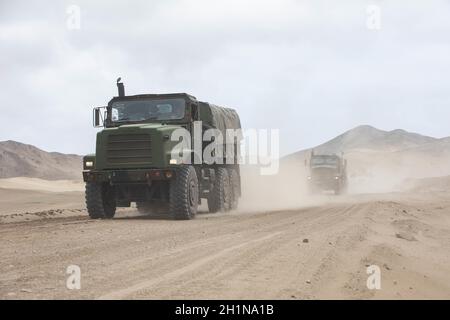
[{"x": 24, "y": 160}]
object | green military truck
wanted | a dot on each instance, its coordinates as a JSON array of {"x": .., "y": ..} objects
[
  {"x": 134, "y": 157},
  {"x": 327, "y": 172}
]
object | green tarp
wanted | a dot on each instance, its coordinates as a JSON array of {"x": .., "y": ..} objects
[{"x": 219, "y": 117}]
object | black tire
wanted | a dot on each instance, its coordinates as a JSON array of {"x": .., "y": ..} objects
[
  {"x": 100, "y": 200},
  {"x": 219, "y": 198},
  {"x": 235, "y": 189},
  {"x": 184, "y": 194}
]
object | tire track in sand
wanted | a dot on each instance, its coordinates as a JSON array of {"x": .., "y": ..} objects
[{"x": 123, "y": 293}]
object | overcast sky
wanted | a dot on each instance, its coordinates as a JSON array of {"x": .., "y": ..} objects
[{"x": 311, "y": 68}]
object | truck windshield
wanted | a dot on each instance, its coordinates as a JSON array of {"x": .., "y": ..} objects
[
  {"x": 142, "y": 110},
  {"x": 328, "y": 161}
]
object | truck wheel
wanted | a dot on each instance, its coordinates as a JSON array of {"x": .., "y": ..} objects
[
  {"x": 100, "y": 200},
  {"x": 235, "y": 189},
  {"x": 184, "y": 194},
  {"x": 220, "y": 196}
]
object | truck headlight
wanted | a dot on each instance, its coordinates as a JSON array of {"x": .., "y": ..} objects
[
  {"x": 89, "y": 164},
  {"x": 173, "y": 161}
]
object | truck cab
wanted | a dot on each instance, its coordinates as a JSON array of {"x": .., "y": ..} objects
[{"x": 327, "y": 172}]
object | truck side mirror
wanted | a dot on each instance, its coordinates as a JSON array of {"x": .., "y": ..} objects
[{"x": 98, "y": 118}]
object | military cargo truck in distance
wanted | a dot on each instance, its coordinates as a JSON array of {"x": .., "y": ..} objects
[
  {"x": 133, "y": 160},
  {"x": 327, "y": 173}
]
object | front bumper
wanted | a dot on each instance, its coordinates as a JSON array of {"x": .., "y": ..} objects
[{"x": 144, "y": 176}]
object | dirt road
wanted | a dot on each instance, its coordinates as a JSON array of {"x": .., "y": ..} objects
[{"x": 321, "y": 251}]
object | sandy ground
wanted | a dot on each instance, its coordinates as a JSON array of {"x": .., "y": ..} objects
[
  {"x": 24, "y": 183},
  {"x": 30, "y": 198},
  {"x": 320, "y": 249}
]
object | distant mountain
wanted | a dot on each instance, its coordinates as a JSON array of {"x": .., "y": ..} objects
[
  {"x": 23, "y": 160},
  {"x": 438, "y": 147},
  {"x": 368, "y": 138}
]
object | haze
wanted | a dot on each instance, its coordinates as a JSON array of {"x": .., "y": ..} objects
[{"x": 311, "y": 68}]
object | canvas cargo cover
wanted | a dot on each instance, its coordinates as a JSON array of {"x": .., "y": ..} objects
[{"x": 219, "y": 117}]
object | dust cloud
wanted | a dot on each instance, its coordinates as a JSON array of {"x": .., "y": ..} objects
[
  {"x": 285, "y": 190},
  {"x": 384, "y": 172},
  {"x": 369, "y": 172}
]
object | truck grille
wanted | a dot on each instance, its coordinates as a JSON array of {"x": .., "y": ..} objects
[{"x": 129, "y": 149}]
